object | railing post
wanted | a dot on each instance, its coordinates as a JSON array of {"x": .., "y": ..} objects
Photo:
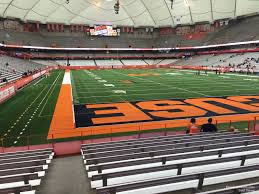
[
  {"x": 52, "y": 143},
  {"x": 81, "y": 137},
  {"x": 111, "y": 133},
  {"x": 163, "y": 160},
  {"x": 254, "y": 123},
  {"x": 179, "y": 169},
  {"x": 104, "y": 177},
  {"x": 28, "y": 142},
  {"x": 139, "y": 133},
  {"x": 201, "y": 179},
  {"x": 243, "y": 159},
  {"x": 2, "y": 143}
]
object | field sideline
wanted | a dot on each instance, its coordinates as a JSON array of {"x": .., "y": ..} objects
[{"x": 30, "y": 111}]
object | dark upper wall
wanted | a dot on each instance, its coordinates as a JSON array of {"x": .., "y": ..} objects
[{"x": 237, "y": 30}]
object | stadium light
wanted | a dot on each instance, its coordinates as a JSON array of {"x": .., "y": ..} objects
[
  {"x": 172, "y": 3},
  {"x": 186, "y": 2},
  {"x": 117, "y": 7}
]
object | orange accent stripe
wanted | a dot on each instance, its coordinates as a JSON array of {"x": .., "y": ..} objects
[
  {"x": 63, "y": 114},
  {"x": 107, "y": 129}
]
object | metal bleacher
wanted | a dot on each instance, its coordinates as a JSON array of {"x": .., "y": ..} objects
[
  {"x": 21, "y": 172},
  {"x": 247, "y": 188},
  {"x": 171, "y": 163}
]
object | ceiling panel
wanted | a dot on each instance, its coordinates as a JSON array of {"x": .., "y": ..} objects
[{"x": 154, "y": 13}]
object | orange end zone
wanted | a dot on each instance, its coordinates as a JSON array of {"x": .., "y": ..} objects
[{"x": 63, "y": 118}]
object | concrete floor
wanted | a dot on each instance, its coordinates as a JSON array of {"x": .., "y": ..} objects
[{"x": 66, "y": 176}]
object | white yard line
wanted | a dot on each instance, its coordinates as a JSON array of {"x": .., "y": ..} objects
[
  {"x": 209, "y": 84},
  {"x": 39, "y": 81},
  {"x": 24, "y": 112},
  {"x": 143, "y": 100},
  {"x": 163, "y": 84},
  {"x": 36, "y": 109},
  {"x": 158, "y": 93},
  {"x": 159, "y": 89},
  {"x": 105, "y": 88},
  {"x": 53, "y": 85}
]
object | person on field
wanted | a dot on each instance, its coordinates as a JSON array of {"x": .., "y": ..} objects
[
  {"x": 209, "y": 127},
  {"x": 192, "y": 127}
]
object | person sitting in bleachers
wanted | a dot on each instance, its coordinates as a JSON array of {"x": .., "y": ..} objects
[
  {"x": 4, "y": 80},
  {"x": 192, "y": 127},
  {"x": 209, "y": 127}
]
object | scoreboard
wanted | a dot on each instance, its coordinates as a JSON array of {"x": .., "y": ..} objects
[{"x": 104, "y": 30}]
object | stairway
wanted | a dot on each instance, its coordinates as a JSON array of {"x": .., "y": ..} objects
[{"x": 66, "y": 176}]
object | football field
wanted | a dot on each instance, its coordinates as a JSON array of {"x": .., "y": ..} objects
[
  {"x": 161, "y": 95},
  {"x": 124, "y": 96},
  {"x": 105, "y": 86}
]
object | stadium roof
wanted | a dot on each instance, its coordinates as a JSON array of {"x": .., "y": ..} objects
[{"x": 152, "y": 13}]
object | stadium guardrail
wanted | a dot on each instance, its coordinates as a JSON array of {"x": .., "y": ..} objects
[
  {"x": 10, "y": 89},
  {"x": 251, "y": 126}
]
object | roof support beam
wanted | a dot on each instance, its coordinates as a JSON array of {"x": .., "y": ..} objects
[
  {"x": 7, "y": 7},
  {"x": 148, "y": 12},
  {"x": 235, "y": 9},
  {"x": 76, "y": 15},
  {"x": 190, "y": 11},
  {"x": 169, "y": 12},
  {"x": 46, "y": 19},
  {"x": 24, "y": 17},
  {"x": 125, "y": 10},
  {"x": 211, "y": 11}
]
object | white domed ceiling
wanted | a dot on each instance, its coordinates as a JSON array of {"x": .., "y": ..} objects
[{"x": 152, "y": 13}]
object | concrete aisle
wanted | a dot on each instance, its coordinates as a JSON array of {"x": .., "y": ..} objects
[{"x": 65, "y": 176}]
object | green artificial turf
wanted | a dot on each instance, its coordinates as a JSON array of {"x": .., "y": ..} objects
[
  {"x": 170, "y": 84},
  {"x": 35, "y": 102},
  {"x": 26, "y": 117}
]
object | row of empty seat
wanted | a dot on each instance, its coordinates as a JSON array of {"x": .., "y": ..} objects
[
  {"x": 12, "y": 68},
  {"x": 171, "y": 163},
  {"x": 224, "y": 60},
  {"x": 21, "y": 172},
  {"x": 124, "y": 62}
]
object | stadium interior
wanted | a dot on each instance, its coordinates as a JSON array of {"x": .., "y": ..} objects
[{"x": 129, "y": 96}]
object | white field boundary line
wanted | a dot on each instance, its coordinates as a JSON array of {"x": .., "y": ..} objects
[
  {"x": 222, "y": 81},
  {"x": 24, "y": 112},
  {"x": 143, "y": 100},
  {"x": 163, "y": 84},
  {"x": 173, "y": 81},
  {"x": 53, "y": 85},
  {"x": 73, "y": 88},
  {"x": 161, "y": 93},
  {"x": 25, "y": 126},
  {"x": 157, "y": 90},
  {"x": 105, "y": 88},
  {"x": 184, "y": 84},
  {"x": 35, "y": 111},
  {"x": 182, "y": 76},
  {"x": 241, "y": 75},
  {"x": 39, "y": 81},
  {"x": 166, "y": 77},
  {"x": 161, "y": 89}
]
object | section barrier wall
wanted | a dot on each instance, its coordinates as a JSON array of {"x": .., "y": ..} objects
[{"x": 9, "y": 90}]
